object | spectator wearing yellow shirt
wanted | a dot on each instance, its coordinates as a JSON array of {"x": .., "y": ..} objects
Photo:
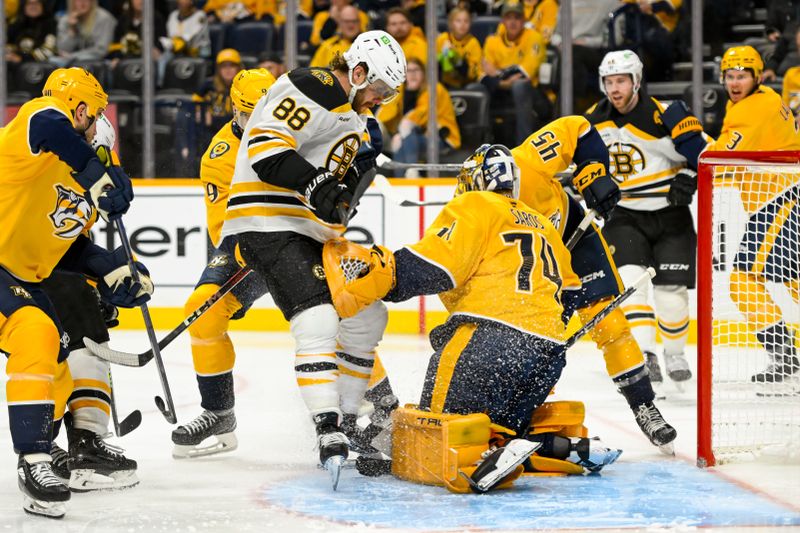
[
  {"x": 542, "y": 16},
  {"x": 328, "y": 23},
  {"x": 406, "y": 117},
  {"x": 511, "y": 60},
  {"x": 348, "y": 29},
  {"x": 400, "y": 26},
  {"x": 459, "y": 52}
]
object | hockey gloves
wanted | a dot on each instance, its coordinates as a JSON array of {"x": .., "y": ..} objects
[
  {"x": 685, "y": 130},
  {"x": 597, "y": 188},
  {"x": 328, "y": 196},
  {"x": 108, "y": 189},
  {"x": 115, "y": 283},
  {"x": 682, "y": 189}
]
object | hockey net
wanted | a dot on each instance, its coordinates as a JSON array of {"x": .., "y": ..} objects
[{"x": 748, "y": 272}]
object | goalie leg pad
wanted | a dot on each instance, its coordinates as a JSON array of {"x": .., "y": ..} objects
[
  {"x": 316, "y": 371},
  {"x": 562, "y": 418}
]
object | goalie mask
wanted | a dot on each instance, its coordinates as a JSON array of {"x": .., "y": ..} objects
[{"x": 490, "y": 168}]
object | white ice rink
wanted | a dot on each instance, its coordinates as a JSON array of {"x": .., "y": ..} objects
[{"x": 271, "y": 483}]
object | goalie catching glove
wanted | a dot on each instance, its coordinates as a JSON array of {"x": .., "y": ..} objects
[
  {"x": 593, "y": 182},
  {"x": 357, "y": 276}
]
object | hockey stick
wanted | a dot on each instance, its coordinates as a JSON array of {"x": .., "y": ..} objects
[
  {"x": 388, "y": 164},
  {"x": 141, "y": 359},
  {"x": 345, "y": 211},
  {"x": 167, "y": 409},
  {"x": 647, "y": 276},
  {"x": 130, "y": 422},
  {"x": 388, "y": 191},
  {"x": 588, "y": 218}
]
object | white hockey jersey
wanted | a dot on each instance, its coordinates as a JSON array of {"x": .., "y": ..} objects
[
  {"x": 642, "y": 157},
  {"x": 306, "y": 111}
]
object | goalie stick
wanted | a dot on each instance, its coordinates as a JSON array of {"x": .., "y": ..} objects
[
  {"x": 647, "y": 276},
  {"x": 137, "y": 360}
]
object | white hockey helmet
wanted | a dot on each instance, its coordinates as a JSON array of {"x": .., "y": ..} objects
[
  {"x": 384, "y": 59},
  {"x": 621, "y": 62}
]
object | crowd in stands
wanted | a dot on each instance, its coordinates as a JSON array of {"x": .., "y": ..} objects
[{"x": 505, "y": 53}]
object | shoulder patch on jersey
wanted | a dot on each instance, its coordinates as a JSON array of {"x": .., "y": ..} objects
[
  {"x": 219, "y": 149},
  {"x": 71, "y": 214},
  {"x": 309, "y": 82}
]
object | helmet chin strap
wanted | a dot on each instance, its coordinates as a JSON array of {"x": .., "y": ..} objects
[{"x": 353, "y": 87}]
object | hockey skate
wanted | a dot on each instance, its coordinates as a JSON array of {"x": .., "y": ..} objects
[
  {"x": 654, "y": 370},
  {"x": 591, "y": 454},
  {"x": 96, "y": 465},
  {"x": 60, "y": 462},
  {"x": 43, "y": 493},
  {"x": 782, "y": 367},
  {"x": 333, "y": 445},
  {"x": 189, "y": 437},
  {"x": 677, "y": 369},
  {"x": 499, "y": 463},
  {"x": 653, "y": 425}
]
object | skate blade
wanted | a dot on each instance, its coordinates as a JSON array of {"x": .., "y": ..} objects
[
  {"x": 667, "y": 449},
  {"x": 55, "y": 510},
  {"x": 334, "y": 467},
  {"x": 87, "y": 480},
  {"x": 226, "y": 442},
  {"x": 658, "y": 389}
]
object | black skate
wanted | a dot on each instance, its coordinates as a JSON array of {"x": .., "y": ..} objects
[
  {"x": 782, "y": 367},
  {"x": 677, "y": 368},
  {"x": 96, "y": 465},
  {"x": 360, "y": 440},
  {"x": 60, "y": 462},
  {"x": 654, "y": 371},
  {"x": 333, "y": 445},
  {"x": 43, "y": 493},
  {"x": 187, "y": 438},
  {"x": 653, "y": 425}
]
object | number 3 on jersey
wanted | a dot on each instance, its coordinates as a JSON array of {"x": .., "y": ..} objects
[
  {"x": 525, "y": 245},
  {"x": 295, "y": 118}
]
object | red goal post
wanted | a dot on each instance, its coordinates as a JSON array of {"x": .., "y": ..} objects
[{"x": 734, "y": 418}]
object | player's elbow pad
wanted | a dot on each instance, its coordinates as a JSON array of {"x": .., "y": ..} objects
[
  {"x": 591, "y": 148},
  {"x": 415, "y": 277}
]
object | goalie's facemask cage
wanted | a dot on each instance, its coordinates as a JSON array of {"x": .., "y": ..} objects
[{"x": 490, "y": 168}]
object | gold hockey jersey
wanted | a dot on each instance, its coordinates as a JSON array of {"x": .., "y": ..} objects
[
  {"x": 506, "y": 262},
  {"x": 216, "y": 173},
  {"x": 306, "y": 111}
]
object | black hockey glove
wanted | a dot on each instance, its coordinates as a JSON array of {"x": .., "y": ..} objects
[
  {"x": 597, "y": 188},
  {"x": 115, "y": 279},
  {"x": 328, "y": 196},
  {"x": 683, "y": 187},
  {"x": 109, "y": 189}
]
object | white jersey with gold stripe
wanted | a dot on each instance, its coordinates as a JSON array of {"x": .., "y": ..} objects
[
  {"x": 642, "y": 157},
  {"x": 306, "y": 111}
]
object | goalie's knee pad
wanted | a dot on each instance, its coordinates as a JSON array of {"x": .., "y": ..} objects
[
  {"x": 440, "y": 448},
  {"x": 613, "y": 336},
  {"x": 90, "y": 402},
  {"x": 360, "y": 334},
  {"x": 212, "y": 349}
]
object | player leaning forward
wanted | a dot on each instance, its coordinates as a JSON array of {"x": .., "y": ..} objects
[
  {"x": 292, "y": 182},
  {"x": 53, "y": 186},
  {"x": 652, "y": 224}
]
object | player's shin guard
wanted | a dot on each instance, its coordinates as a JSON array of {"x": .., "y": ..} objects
[
  {"x": 90, "y": 401},
  {"x": 31, "y": 341},
  {"x": 672, "y": 304},
  {"x": 358, "y": 337},
  {"x": 212, "y": 350},
  {"x": 316, "y": 371}
]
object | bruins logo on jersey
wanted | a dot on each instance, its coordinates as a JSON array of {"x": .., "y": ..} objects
[
  {"x": 71, "y": 214},
  {"x": 625, "y": 160},
  {"x": 219, "y": 149},
  {"x": 323, "y": 76},
  {"x": 342, "y": 155},
  {"x": 16, "y": 290}
]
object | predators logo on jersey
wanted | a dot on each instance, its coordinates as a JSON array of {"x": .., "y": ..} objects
[
  {"x": 17, "y": 290},
  {"x": 71, "y": 214},
  {"x": 625, "y": 160},
  {"x": 342, "y": 155},
  {"x": 219, "y": 149}
]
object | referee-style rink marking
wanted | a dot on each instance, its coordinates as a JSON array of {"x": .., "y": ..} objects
[{"x": 628, "y": 495}]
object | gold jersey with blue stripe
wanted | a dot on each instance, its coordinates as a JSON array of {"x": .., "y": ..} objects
[
  {"x": 43, "y": 207},
  {"x": 506, "y": 262},
  {"x": 216, "y": 173}
]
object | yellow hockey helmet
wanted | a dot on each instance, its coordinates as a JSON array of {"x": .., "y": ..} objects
[
  {"x": 248, "y": 86},
  {"x": 74, "y": 86},
  {"x": 741, "y": 58}
]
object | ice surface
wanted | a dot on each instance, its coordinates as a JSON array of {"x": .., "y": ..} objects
[{"x": 272, "y": 483}]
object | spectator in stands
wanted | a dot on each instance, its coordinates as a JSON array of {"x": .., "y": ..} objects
[
  {"x": 511, "y": 60},
  {"x": 273, "y": 62},
  {"x": 329, "y": 23},
  {"x": 400, "y": 26},
  {"x": 32, "y": 36},
  {"x": 791, "y": 84},
  {"x": 589, "y": 26},
  {"x": 459, "y": 53},
  {"x": 783, "y": 17},
  {"x": 215, "y": 92},
  {"x": 12, "y": 11},
  {"x": 227, "y": 11},
  {"x": 187, "y": 32},
  {"x": 542, "y": 16},
  {"x": 349, "y": 26},
  {"x": 406, "y": 117},
  {"x": 657, "y": 21},
  {"x": 781, "y": 14},
  {"x": 416, "y": 9},
  {"x": 84, "y": 33},
  {"x": 128, "y": 34}
]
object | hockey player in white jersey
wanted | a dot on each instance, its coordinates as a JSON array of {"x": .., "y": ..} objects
[
  {"x": 652, "y": 224},
  {"x": 296, "y": 171}
]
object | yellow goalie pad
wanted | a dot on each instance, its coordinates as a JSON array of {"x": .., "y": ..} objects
[
  {"x": 564, "y": 418},
  {"x": 357, "y": 276},
  {"x": 434, "y": 448}
]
